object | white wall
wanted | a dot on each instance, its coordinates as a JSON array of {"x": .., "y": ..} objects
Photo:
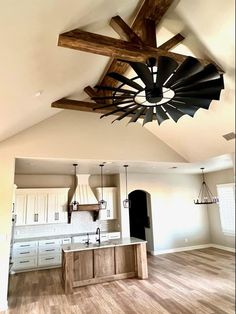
[
  {"x": 212, "y": 179},
  {"x": 175, "y": 217}
]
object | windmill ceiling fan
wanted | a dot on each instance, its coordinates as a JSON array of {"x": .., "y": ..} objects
[
  {"x": 163, "y": 89},
  {"x": 166, "y": 84}
]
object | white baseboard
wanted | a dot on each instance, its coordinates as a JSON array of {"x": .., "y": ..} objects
[
  {"x": 3, "y": 305},
  {"x": 225, "y": 248},
  {"x": 181, "y": 249},
  {"x": 194, "y": 247}
]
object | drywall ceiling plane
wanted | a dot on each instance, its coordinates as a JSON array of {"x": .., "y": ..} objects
[{"x": 171, "y": 84}]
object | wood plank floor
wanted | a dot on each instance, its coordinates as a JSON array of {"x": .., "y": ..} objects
[{"x": 199, "y": 281}]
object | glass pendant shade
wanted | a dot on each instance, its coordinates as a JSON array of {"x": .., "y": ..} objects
[
  {"x": 126, "y": 202},
  {"x": 102, "y": 203},
  {"x": 205, "y": 196}
]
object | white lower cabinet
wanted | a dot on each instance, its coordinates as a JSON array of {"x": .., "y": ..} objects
[{"x": 32, "y": 255}]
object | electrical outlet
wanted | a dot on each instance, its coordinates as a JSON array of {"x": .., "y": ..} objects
[{"x": 186, "y": 240}]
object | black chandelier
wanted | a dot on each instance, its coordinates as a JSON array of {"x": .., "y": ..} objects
[
  {"x": 162, "y": 89},
  {"x": 205, "y": 196},
  {"x": 102, "y": 203}
]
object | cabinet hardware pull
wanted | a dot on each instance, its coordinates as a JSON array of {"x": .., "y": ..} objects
[
  {"x": 50, "y": 242},
  {"x": 24, "y": 262},
  {"x": 24, "y": 245},
  {"x": 49, "y": 250},
  {"x": 47, "y": 259},
  {"x": 24, "y": 252},
  {"x": 56, "y": 216},
  {"x": 36, "y": 217}
]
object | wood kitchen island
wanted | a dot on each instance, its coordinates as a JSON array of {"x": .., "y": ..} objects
[{"x": 96, "y": 263}]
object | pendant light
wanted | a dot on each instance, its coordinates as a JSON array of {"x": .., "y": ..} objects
[
  {"x": 205, "y": 196},
  {"x": 126, "y": 202},
  {"x": 75, "y": 204},
  {"x": 102, "y": 203}
]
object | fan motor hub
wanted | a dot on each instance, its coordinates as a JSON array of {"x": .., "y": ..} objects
[{"x": 154, "y": 95}]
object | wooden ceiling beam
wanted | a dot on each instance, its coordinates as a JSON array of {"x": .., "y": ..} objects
[
  {"x": 71, "y": 104},
  {"x": 116, "y": 48},
  {"x": 124, "y": 31},
  {"x": 172, "y": 42}
]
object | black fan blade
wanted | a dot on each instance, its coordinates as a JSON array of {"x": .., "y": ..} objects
[
  {"x": 175, "y": 114},
  {"x": 126, "y": 113},
  {"x": 210, "y": 72},
  {"x": 116, "y": 110},
  {"x": 138, "y": 114},
  {"x": 114, "y": 104},
  {"x": 111, "y": 97},
  {"x": 198, "y": 102},
  {"x": 143, "y": 72},
  {"x": 115, "y": 89},
  {"x": 218, "y": 83},
  {"x": 125, "y": 80},
  {"x": 208, "y": 93},
  {"x": 189, "y": 67},
  {"x": 148, "y": 116},
  {"x": 166, "y": 67},
  {"x": 186, "y": 109},
  {"x": 160, "y": 115}
]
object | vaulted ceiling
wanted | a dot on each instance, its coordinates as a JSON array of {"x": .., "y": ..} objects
[{"x": 36, "y": 72}]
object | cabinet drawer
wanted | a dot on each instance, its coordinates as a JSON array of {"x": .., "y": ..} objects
[
  {"x": 50, "y": 242},
  {"x": 28, "y": 244},
  {"x": 104, "y": 237},
  {"x": 66, "y": 240},
  {"x": 48, "y": 260},
  {"x": 78, "y": 239},
  {"x": 25, "y": 262},
  {"x": 50, "y": 250},
  {"x": 114, "y": 235},
  {"x": 24, "y": 252}
]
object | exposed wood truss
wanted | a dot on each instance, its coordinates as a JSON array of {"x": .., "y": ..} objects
[{"x": 137, "y": 43}]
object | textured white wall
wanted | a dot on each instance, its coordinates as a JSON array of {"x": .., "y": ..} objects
[{"x": 174, "y": 215}]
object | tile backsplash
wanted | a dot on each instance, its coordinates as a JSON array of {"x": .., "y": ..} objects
[{"x": 81, "y": 222}]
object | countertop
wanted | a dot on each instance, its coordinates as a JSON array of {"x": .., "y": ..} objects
[
  {"x": 73, "y": 247},
  {"x": 60, "y": 236}
]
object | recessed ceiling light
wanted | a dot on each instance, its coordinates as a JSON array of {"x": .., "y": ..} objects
[{"x": 38, "y": 93}]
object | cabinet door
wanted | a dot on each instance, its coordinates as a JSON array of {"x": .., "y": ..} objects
[
  {"x": 36, "y": 208},
  {"x": 109, "y": 195},
  {"x": 20, "y": 209},
  {"x": 57, "y": 205}
]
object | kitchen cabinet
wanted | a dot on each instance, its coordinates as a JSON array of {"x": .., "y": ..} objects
[
  {"x": 110, "y": 196},
  {"x": 20, "y": 208},
  {"x": 57, "y": 206},
  {"x": 36, "y": 208},
  {"x": 41, "y": 206},
  {"x": 33, "y": 255}
]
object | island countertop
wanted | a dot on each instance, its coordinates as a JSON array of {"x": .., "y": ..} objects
[{"x": 74, "y": 247}]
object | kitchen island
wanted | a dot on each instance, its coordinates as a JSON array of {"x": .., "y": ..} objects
[{"x": 96, "y": 263}]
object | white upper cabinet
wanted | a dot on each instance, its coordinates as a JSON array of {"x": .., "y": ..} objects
[
  {"x": 40, "y": 206},
  {"x": 110, "y": 196},
  {"x": 57, "y": 206},
  {"x": 20, "y": 208}
]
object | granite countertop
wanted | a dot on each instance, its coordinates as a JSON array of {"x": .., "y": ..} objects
[
  {"x": 73, "y": 247},
  {"x": 60, "y": 236}
]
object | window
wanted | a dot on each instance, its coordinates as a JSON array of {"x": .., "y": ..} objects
[{"x": 226, "y": 196}]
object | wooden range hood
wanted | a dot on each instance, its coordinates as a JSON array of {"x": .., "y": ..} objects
[{"x": 86, "y": 200}]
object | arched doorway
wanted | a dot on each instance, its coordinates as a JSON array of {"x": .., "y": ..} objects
[{"x": 138, "y": 213}]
